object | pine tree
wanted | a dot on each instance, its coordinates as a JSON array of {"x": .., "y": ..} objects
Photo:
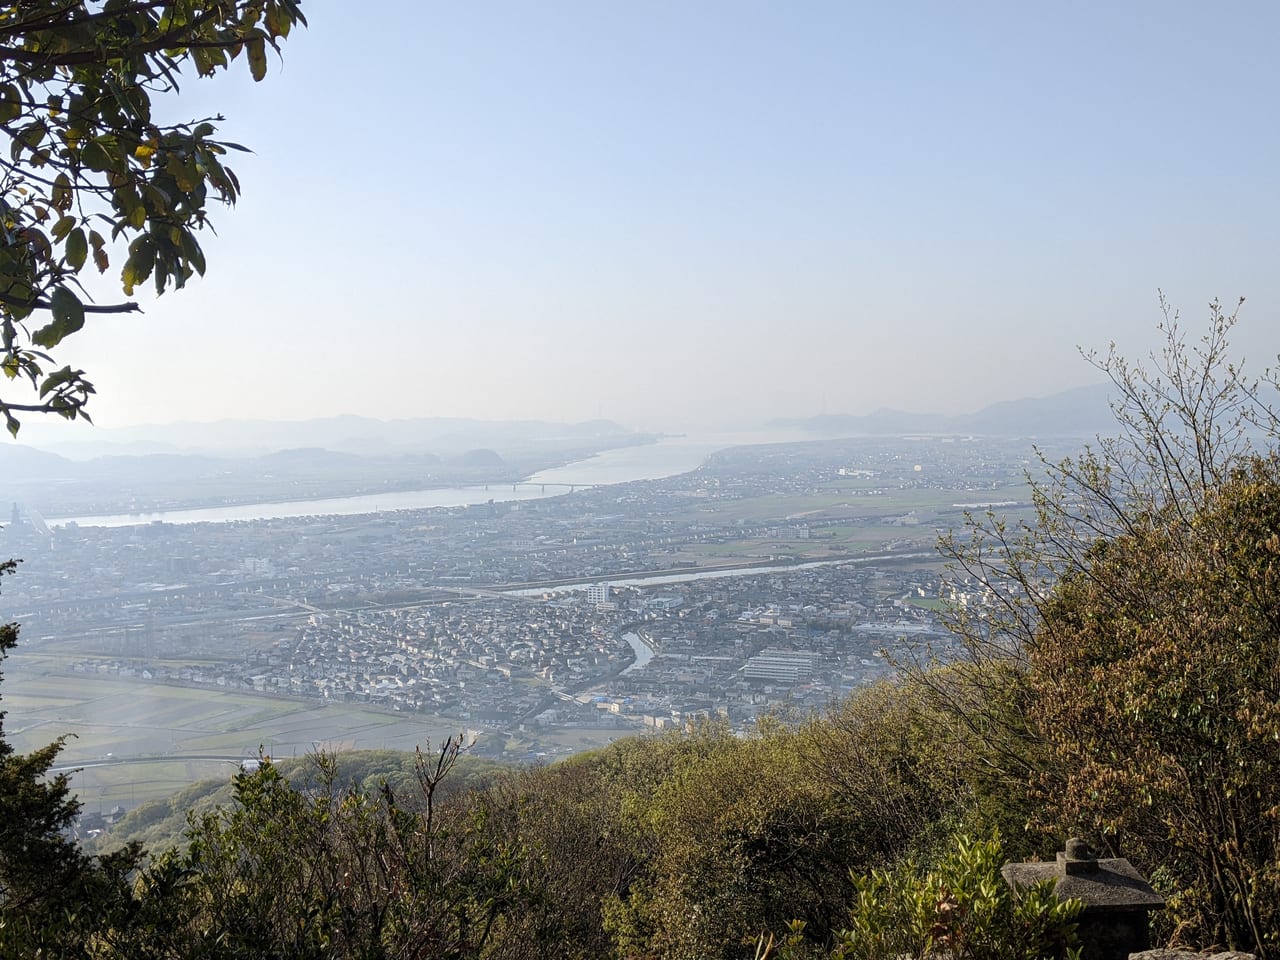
[
  {"x": 36, "y": 811},
  {"x": 52, "y": 896}
]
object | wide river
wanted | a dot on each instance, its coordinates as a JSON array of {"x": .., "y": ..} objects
[{"x": 653, "y": 461}]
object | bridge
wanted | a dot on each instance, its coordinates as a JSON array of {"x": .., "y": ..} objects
[
  {"x": 483, "y": 594},
  {"x": 568, "y": 487}
]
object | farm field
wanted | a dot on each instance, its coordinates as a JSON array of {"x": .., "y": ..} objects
[
  {"x": 832, "y": 502},
  {"x": 159, "y": 737},
  {"x": 845, "y": 522}
]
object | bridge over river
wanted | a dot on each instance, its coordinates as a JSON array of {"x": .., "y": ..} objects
[{"x": 554, "y": 484}]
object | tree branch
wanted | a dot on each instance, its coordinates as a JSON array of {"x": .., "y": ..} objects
[
  {"x": 129, "y": 307},
  {"x": 50, "y": 21},
  {"x": 166, "y": 41}
]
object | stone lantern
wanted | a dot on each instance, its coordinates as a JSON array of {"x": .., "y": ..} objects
[{"x": 1117, "y": 900}]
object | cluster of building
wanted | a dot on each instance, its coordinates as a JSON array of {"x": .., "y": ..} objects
[
  {"x": 730, "y": 646},
  {"x": 455, "y": 611}
]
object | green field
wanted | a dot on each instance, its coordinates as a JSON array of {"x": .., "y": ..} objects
[
  {"x": 129, "y": 783},
  {"x": 152, "y": 719},
  {"x": 158, "y": 736},
  {"x": 842, "y": 503},
  {"x": 844, "y": 522}
]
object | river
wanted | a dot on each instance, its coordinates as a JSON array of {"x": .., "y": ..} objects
[
  {"x": 644, "y": 652},
  {"x": 718, "y": 573},
  {"x": 666, "y": 458}
]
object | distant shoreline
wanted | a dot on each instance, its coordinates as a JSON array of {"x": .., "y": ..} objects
[
  {"x": 394, "y": 488},
  {"x": 249, "y": 501},
  {"x": 614, "y": 465}
]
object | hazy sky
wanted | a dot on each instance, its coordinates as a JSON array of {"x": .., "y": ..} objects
[{"x": 672, "y": 213}]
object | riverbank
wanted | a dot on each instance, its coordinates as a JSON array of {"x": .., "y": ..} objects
[
  {"x": 667, "y": 457},
  {"x": 686, "y": 574}
]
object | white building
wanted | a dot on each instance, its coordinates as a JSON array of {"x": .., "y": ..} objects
[{"x": 783, "y": 666}]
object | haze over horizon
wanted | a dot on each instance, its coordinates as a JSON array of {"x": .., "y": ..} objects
[
  {"x": 677, "y": 215},
  {"x": 1088, "y": 403}
]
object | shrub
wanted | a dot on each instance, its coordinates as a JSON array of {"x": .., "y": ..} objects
[{"x": 960, "y": 910}]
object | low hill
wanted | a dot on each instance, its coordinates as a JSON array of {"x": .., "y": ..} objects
[{"x": 1081, "y": 412}]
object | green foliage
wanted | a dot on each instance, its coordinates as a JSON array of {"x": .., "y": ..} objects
[
  {"x": 889, "y": 760},
  {"x": 162, "y": 823},
  {"x": 587, "y": 847},
  {"x": 36, "y": 810},
  {"x": 572, "y": 856},
  {"x": 686, "y": 844},
  {"x": 962, "y": 910},
  {"x": 321, "y": 870},
  {"x": 89, "y": 167},
  {"x": 1123, "y": 682},
  {"x": 744, "y": 836},
  {"x": 978, "y": 713},
  {"x": 1158, "y": 689}
]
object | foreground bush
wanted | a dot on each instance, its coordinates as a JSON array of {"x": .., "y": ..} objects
[
  {"x": 962, "y": 909},
  {"x": 1157, "y": 682}
]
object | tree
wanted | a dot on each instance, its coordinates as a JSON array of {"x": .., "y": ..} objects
[
  {"x": 91, "y": 168},
  {"x": 35, "y": 813},
  {"x": 1156, "y": 683},
  {"x": 322, "y": 870},
  {"x": 1126, "y": 679},
  {"x": 52, "y": 896}
]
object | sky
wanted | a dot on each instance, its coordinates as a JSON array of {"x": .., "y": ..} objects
[{"x": 681, "y": 214}]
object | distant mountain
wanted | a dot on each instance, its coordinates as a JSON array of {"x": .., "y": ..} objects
[
  {"x": 309, "y": 458},
  {"x": 20, "y": 463},
  {"x": 1082, "y": 412},
  {"x": 364, "y": 436},
  {"x": 481, "y": 459},
  {"x": 188, "y": 465}
]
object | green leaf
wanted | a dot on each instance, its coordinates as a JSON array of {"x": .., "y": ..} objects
[
  {"x": 10, "y": 103},
  {"x": 67, "y": 309},
  {"x": 19, "y": 290},
  {"x": 55, "y": 380},
  {"x": 277, "y": 22},
  {"x": 63, "y": 227},
  {"x": 77, "y": 249},
  {"x": 257, "y": 50},
  {"x": 183, "y": 173},
  {"x": 95, "y": 156},
  {"x": 68, "y": 317},
  {"x": 191, "y": 250},
  {"x": 142, "y": 259},
  {"x": 33, "y": 134},
  {"x": 38, "y": 242},
  {"x": 157, "y": 200}
]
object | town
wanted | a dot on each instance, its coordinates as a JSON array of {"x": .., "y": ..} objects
[{"x": 774, "y": 578}]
